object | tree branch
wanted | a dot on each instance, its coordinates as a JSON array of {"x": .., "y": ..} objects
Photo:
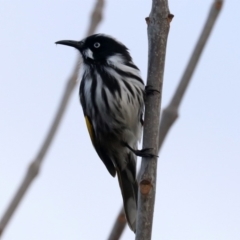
[
  {"x": 158, "y": 28},
  {"x": 35, "y": 165},
  {"x": 170, "y": 113},
  {"x": 119, "y": 225}
]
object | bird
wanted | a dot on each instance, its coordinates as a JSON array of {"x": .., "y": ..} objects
[{"x": 112, "y": 95}]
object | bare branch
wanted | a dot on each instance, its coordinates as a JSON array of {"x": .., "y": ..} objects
[
  {"x": 96, "y": 17},
  {"x": 118, "y": 226},
  {"x": 170, "y": 113},
  {"x": 158, "y": 28},
  {"x": 35, "y": 165}
]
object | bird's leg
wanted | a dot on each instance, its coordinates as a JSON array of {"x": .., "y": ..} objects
[
  {"x": 150, "y": 90},
  {"x": 145, "y": 152}
]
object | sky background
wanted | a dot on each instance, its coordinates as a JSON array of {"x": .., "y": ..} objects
[{"x": 74, "y": 197}]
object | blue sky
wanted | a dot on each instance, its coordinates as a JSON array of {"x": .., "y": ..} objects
[{"x": 74, "y": 197}]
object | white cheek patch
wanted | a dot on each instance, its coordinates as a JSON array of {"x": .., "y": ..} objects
[
  {"x": 88, "y": 53},
  {"x": 116, "y": 59}
]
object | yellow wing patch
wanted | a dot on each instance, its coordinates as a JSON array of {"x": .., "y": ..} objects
[{"x": 90, "y": 128}]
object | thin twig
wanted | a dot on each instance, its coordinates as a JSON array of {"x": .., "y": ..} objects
[
  {"x": 35, "y": 165},
  {"x": 170, "y": 113},
  {"x": 158, "y": 28},
  {"x": 118, "y": 226}
]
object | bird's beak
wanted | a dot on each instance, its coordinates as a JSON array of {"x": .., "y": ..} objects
[{"x": 71, "y": 43}]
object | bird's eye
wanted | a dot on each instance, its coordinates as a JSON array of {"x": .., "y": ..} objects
[{"x": 97, "y": 45}]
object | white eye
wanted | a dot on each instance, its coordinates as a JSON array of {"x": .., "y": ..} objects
[{"x": 97, "y": 45}]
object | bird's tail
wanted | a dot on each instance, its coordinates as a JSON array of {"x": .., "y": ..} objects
[{"x": 129, "y": 188}]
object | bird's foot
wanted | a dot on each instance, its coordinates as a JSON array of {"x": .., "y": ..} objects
[
  {"x": 150, "y": 90},
  {"x": 145, "y": 152}
]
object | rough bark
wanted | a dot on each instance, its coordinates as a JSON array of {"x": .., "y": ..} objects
[{"x": 158, "y": 28}]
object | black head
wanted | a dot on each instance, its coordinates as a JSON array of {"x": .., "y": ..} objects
[{"x": 98, "y": 48}]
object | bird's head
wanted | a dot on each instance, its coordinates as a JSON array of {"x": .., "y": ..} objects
[{"x": 99, "y": 48}]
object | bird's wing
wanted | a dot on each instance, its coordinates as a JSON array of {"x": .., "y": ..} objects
[
  {"x": 101, "y": 151},
  {"x": 90, "y": 129}
]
